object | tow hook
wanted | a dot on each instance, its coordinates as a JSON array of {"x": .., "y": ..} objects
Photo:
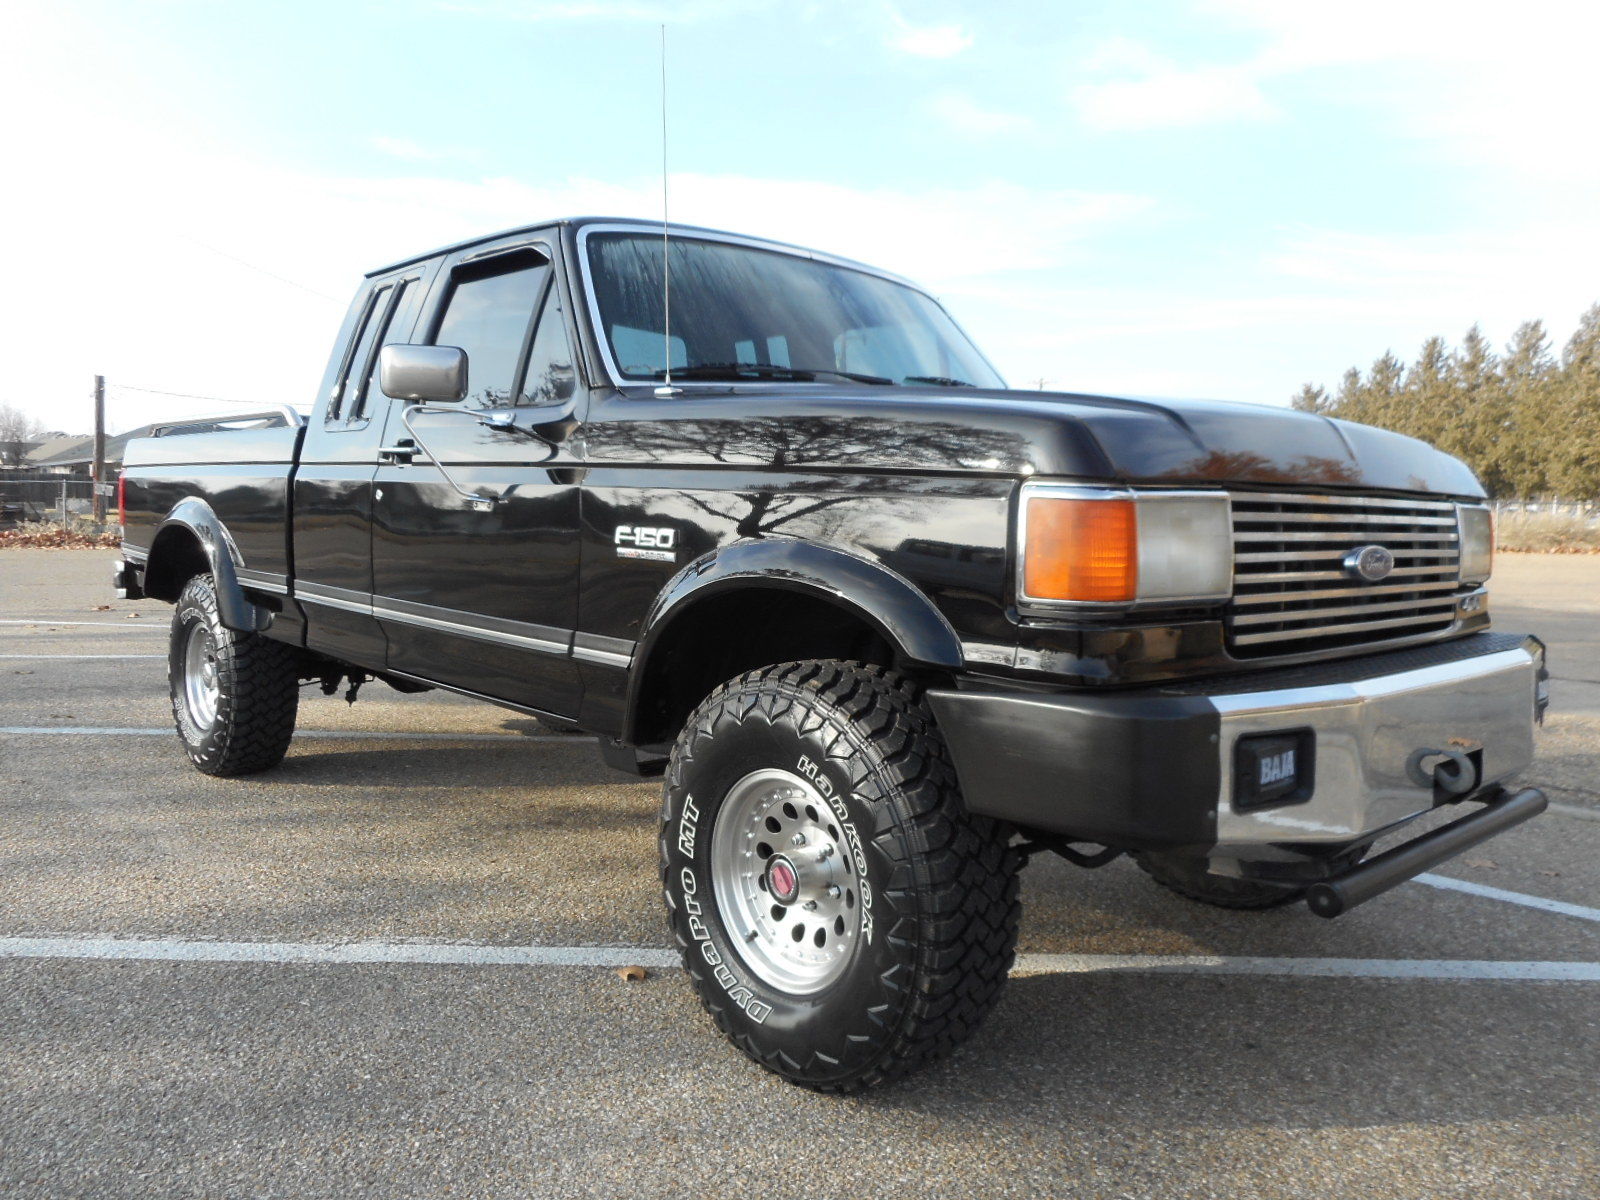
[{"x": 1455, "y": 774}]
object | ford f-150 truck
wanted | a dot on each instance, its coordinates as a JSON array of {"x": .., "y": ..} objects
[{"x": 765, "y": 521}]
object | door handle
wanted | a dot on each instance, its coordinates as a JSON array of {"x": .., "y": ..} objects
[{"x": 396, "y": 454}]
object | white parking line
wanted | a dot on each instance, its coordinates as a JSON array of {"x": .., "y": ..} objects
[
  {"x": 41, "y": 622},
  {"x": 1327, "y": 968},
  {"x": 450, "y": 953},
  {"x": 184, "y": 950},
  {"x": 354, "y": 735},
  {"x": 1575, "y": 811},
  {"x": 79, "y": 656},
  {"x": 1494, "y": 893}
]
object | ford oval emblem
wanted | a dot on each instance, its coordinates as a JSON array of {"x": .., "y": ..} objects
[{"x": 1370, "y": 564}]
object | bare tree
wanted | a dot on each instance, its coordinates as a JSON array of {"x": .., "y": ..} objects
[{"x": 18, "y": 431}]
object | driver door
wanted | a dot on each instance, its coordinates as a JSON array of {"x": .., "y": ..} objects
[{"x": 483, "y": 599}]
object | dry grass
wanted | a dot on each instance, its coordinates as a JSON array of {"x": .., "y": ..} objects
[
  {"x": 50, "y": 536},
  {"x": 1547, "y": 533}
]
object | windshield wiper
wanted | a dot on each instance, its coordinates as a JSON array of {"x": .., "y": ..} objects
[
  {"x": 733, "y": 370},
  {"x": 939, "y": 381}
]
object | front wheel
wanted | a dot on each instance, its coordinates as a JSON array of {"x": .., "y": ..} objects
[
  {"x": 234, "y": 695},
  {"x": 842, "y": 916}
]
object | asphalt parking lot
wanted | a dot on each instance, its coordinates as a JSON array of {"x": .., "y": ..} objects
[{"x": 385, "y": 969}]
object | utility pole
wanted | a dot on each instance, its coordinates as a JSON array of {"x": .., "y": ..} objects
[{"x": 99, "y": 448}]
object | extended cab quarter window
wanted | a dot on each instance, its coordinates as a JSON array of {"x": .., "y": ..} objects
[
  {"x": 487, "y": 315},
  {"x": 355, "y": 363},
  {"x": 393, "y": 330}
]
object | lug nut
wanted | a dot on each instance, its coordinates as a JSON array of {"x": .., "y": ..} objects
[
  {"x": 811, "y": 906},
  {"x": 834, "y": 891},
  {"x": 799, "y": 839},
  {"x": 825, "y": 854}
]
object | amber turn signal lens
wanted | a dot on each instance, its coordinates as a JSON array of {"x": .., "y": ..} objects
[{"x": 1085, "y": 550}]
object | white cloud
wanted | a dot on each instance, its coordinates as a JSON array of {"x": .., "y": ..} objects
[
  {"x": 1145, "y": 90},
  {"x": 1443, "y": 282},
  {"x": 930, "y": 41},
  {"x": 1317, "y": 302},
  {"x": 965, "y": 115},
  {"x": 655, "y": 11},
  {"x": 406, "y": 149},
  {"x": 227, "y": 276},
  {"x": 1476, "y": 83}
]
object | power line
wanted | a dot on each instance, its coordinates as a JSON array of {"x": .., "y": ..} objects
[
  {"x": 262, "y": 270},
  {"x": 128, "y": 387}
]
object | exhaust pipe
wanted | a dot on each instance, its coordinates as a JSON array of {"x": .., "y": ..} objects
[{"x": 1377, "y": 875}]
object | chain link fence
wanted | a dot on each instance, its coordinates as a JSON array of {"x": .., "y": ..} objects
[
  {"x": 51, "y": 500},
  {"x": 1588, "y": 510}
]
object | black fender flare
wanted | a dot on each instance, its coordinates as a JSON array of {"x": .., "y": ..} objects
[
  {"x": 884, "y": 599},
  {"x": 195, "y": 517}
]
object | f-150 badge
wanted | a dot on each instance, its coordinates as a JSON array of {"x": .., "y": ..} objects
[{"x": 654, "y": 542}]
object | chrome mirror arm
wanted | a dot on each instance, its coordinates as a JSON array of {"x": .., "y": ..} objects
[
  {"x": 504, "y": 420},
  {"x": 474, "y": 501}
]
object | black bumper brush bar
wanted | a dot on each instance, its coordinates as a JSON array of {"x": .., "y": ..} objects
[{"x": 1378, "y": 874}]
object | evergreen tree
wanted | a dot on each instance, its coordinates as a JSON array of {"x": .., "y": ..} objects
[
  {"x": 1426, "y": 413},
  {"x": 1574, "y": 466},
  {"x": 1350, "y": 393},
  {"x": 1524, "y": 446},
  {"x": 1384, "y": 392},
  {"x": 1311, "y": 399},
  {"x": 1473, "y": 408},
  {"x": 1524, "y": 423}
]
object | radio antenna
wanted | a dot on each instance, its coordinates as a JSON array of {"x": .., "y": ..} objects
[{"x": 666, "y": 266}]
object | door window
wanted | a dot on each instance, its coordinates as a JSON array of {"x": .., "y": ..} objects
[
  {"x": 488, "y": 315},
  {"x": 549, "y": 378}
]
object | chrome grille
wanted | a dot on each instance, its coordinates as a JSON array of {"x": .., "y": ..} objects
[{"x": 1291, "y": 592}]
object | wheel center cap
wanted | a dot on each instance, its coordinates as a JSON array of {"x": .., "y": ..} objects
[{"x": 783, "y": 881}]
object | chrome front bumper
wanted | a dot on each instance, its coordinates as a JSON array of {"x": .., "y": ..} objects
[
  {"x": 1366, "y": 735},
  {"x": 1153, "y": 768}
]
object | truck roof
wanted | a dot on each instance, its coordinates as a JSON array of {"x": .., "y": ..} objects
[{"x": 645, "y": 223}]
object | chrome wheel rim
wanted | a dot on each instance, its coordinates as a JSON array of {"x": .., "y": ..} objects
[
  {"x": 785, "y": 882},
  {"x": 200, "y": 687}
]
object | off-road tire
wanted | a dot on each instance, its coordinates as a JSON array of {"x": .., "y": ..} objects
[
  {"x": 939, "y": 911},
  {"x": 257, "y": 690}
]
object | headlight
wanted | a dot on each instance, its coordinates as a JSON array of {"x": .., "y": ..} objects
[
  {"x": 1475, "y": 524},
  {"x": 1082, "y": 545}
]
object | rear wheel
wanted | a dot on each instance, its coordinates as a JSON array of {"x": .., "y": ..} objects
[
  {"x": 842, "y": 916},
  {"x": 234, "y": 695}
]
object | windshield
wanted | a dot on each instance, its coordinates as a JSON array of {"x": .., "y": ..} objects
[{"x": 740, "y": 313}]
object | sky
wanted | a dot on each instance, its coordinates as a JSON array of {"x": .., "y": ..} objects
[{"x": 1220, "y": 198}]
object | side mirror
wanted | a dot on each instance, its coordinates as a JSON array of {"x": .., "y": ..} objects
[{"x": 423, "y": 373}]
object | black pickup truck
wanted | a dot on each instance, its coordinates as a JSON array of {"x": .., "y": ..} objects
[{"x": 766, "y": 521}]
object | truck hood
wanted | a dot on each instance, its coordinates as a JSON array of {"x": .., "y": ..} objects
[
  {"x": 1209, "y": 441},
  {"x": 1045, "y": 434}
]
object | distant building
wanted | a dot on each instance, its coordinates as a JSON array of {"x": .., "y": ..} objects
[{"x": 72, "y": 455}]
